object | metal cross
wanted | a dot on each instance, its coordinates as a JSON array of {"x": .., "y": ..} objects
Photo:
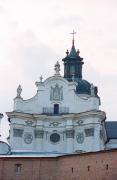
[{"x": 73, "y": 33}]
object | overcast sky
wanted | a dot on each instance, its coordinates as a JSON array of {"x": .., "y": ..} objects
[{"x": 34, "y": 34}]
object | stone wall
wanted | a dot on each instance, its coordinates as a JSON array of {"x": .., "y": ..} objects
[{"x": 89, "y": 166}]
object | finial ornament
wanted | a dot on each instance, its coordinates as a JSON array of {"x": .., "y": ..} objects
[
  {"x": 73, "y": 33},
  {"x": 41, "y": 78},
  {"x": 92, "y": 90},
  {"x": 57, "y": 68},
  {"x": 78, "y": 51},
  {"x": 67, "y": 52},
  {"x": 19, "y": 91}
]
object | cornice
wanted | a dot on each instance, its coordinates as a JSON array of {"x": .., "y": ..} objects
[{"x": 92, "y": 113}]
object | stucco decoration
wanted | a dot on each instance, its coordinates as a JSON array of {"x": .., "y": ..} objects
[
  {"x": 80, "y": 122},
  {"x": 56, "y": 93},
  {"x": 18, "y": 132},
  {"x": 70, "y": 133},
  {"x": 80, "y": 137},
  {"x": 28, "y": 138},
  {"x": 39, "y": 133},
  {"x": 54, "y": 124},
  {"x": 29, "y": 123}
]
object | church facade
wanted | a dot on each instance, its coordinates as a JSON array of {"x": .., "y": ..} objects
[
  {"x": 60, "y": 133},
  {"x": 63, "y": 116}
]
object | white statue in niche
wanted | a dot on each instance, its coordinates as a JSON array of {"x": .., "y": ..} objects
[
  {"x": 56, "y": 93},
  {"x": 19, "y": 91}
]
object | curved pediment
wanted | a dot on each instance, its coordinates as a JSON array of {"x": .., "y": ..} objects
[{"x": 56, "y": 78}]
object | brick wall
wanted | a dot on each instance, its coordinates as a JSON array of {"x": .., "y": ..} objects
[{"x": 89, "y": 166}]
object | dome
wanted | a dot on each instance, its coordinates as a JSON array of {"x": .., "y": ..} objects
[{"x": 83, "y": 87}]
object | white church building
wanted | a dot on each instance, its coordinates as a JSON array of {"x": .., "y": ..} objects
[{"x": 63, "y": 117}]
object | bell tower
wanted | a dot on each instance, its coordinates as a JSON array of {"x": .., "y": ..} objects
[{"x": 73, "y": 63}]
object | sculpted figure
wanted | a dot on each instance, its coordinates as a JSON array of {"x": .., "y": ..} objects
[
  {"x": 19, "y": 91},
  {"x": 57, "y": 68}
]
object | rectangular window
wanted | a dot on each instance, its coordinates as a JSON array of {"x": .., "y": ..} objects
[
  {"x": 89, "y": 132},
  {"x": 39, "y": 133},
  {"x": 18, "y": 168},
  {"x": 17, "y": 132}
]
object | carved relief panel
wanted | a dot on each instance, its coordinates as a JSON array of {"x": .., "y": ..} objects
[{"x": 56, "y": 93}]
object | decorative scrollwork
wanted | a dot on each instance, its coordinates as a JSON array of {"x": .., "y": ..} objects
[
  {"x": 80, "y": 137},
  {"x": 28, "y": 138},
  {"x": 54, "y": 124}
]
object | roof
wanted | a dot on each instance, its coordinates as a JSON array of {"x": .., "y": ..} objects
[
  {"x": 59, "y": 155},
  {"x": 83, "y": 87},
  {"x": 73, "y": 54},
  {"x": 111, "y": 127},
  {"x": 31, "y": 153}
]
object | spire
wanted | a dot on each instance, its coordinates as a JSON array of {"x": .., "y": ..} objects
[
  {"x": 73, "y": 63},
  {"x": 73, "y": 53}
]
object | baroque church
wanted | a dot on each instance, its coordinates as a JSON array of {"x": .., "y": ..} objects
[{"x": 62, "y": 120}]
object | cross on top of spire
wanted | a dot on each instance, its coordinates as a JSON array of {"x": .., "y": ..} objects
[{"x": 73, "y": 33}]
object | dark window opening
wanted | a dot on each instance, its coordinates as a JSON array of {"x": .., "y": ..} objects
[
  {"x": 88, "y": 168},
  {"x": 18, "y": 168},
  {"x": 56, "y": 108},
  {"x": 72, "y": 170},
  {"x": 106, "y": 166}
]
